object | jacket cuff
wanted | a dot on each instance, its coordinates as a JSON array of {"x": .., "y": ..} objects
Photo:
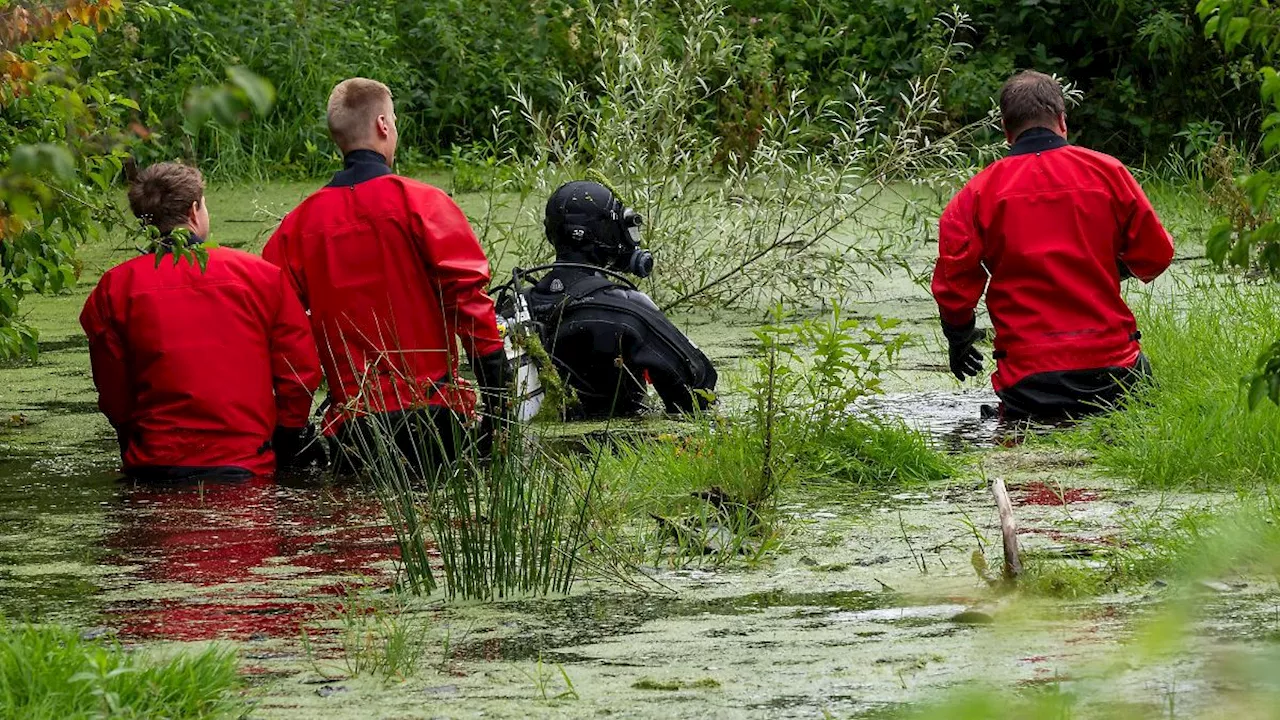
[{"x": 959, "y": 331}]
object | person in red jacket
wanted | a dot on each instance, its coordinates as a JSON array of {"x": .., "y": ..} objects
[
  {"x": 203, "y": 373},
  {"x": 1048, "y": 232},
  {"x": 392, "y": 275}
]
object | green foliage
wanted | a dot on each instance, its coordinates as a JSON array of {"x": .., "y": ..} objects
[
  {"x": 506, "y": 523},
  {"x": 50, "y": 673},
  {"x": 65, "y": 137},
  {"x": 452, "y": 62},
  {"x": 1250, "y": 234},
  {"x": 375, "y": 635},
  {"x": 60, "y": 151},
  {"x": 802, "y": 427}
]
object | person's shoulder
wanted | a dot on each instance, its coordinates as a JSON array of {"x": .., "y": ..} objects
[
  {"x": 417, "y": 188},
  {"x": 1094, "y": 156}
]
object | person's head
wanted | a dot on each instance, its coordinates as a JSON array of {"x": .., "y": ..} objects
[
  {"x": 363, "y": 117},
  {"x": 1032, "y": 99},
  {"x": 587, "y": 223},
  {"x": 170, "y": 195}
]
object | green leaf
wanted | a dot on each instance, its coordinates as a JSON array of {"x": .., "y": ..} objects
[
  {"x": 1234, "y": 33},
  {"x": 1219, "y": 242},
  {"x": 1257, "y": 390},
  {"x": 1205, "y": 8},
  {"x": 1211, "y": 26},
  {"x": 1270, "y": 85},
  {"x": 1257, "y": 187},
  {"x": 260, "y": 92},
  {"x": 1239, "y": 255}
]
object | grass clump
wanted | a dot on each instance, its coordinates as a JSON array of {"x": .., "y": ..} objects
[
  {"x": 376, "y": 635},
  {"x": 1192, "y": 428},
  {"x": 50, "y": 672},
  {"x": 505, "y": 522}
]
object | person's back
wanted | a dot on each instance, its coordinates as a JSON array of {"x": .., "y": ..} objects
[
  {"x": 374, "y": 257},
  {"x": 393, "y": 277},
  {"x": 1049, "y": 232},
  {"x": 609, "y": 341},
  {"x": 198, "y": 368}
]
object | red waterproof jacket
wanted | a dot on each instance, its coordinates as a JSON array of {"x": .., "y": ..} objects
[
  {"x": 392, "y": 274},
  {"x": 197, "y": 369},
  {"x": 1046, "y": 232}
]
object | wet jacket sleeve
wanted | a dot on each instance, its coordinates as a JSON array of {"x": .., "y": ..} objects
[
  {"x": 459, "y": 267},
  {"x": 109, "y": 360},
  {"x": 959, "y": 277},
  {"x": 295, "y": 363},
  {"x": 676, "y": 367},
  {"x": 1146, "y": 247}
]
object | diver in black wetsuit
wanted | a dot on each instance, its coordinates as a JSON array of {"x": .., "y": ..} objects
[{"x": 607, "y": 339}]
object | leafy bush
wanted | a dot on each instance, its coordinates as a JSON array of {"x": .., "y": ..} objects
[{"x": 452, "y": 62}]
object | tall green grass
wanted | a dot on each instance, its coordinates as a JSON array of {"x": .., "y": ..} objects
[
  {"x": 1192, "y": 428},
  {"x": 49, "y": 672},
  {"x": 504, "y": 522}
]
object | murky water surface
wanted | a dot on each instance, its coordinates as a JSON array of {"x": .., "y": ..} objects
[{"x": 871, "y": 604}]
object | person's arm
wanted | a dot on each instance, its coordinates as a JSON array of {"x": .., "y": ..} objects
[
  {"x": 681, "y": 373},
  {"x": 959, "y": 280},
  {"x": 295, "y": 375},
  {"x": 959, "y": 277},
  {"x": 458, "y": 267},
  {"x": 277, "y": 252},
  {"x": 295, "y": 363},
  {"x": 1146, "y": 248},
  {"x": 110, "y": 363}
]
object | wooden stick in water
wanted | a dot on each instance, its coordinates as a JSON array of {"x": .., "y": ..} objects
[{"x": 1008, "y": 529}]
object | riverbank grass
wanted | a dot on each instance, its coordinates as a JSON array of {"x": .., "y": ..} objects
[
  {"x": 1192, "y": 428},
  {"x": 51, "y": 673}
]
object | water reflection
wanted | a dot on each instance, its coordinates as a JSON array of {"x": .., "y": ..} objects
[
  {"x": 186, "y": 562},
  {"x": 241, "y": 560}
]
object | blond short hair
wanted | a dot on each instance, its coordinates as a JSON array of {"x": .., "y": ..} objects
[{"x": 354, "y": 105}]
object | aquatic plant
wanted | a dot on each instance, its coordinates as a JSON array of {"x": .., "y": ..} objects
[
  {"x": 375, "y": 636},
  {"x": 504, "y": 520},
  {"x": 51, "y": 673},
  {"x": 712, "y": 491}
]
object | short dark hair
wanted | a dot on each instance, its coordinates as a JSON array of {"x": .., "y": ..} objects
[
  {"x": 162, "y": 194},
  {"x": 1029, "y": 99}
]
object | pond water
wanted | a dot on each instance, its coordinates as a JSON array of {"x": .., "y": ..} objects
[{"x": 872, "y": 602}]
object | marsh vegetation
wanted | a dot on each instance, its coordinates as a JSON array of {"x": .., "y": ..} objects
[{"x": 822, "y": 543}]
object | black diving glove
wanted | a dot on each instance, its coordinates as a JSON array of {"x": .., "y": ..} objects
[
  {"x": 298, "y": 447},
  {"x": 966, "y": 361},
  {"x": 495, "y": 377}
]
